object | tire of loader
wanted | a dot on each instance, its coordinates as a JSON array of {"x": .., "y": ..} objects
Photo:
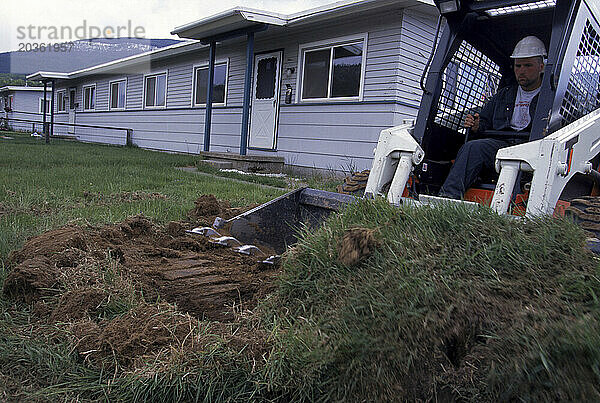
[
  {"x": 355, "y": 183},
  {"x": 585, "y": 212}
]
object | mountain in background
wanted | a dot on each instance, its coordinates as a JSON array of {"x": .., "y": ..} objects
[{"x": 81, "y": 54}]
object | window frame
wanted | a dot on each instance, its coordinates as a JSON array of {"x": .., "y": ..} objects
[
  {"x": 205, "y": 65},
  {"x": 58, "y": 95},
  {"x": 155, "y": 74},
  {"x": 330, "y": 44},
  {"x": 110, "y": 84},
  {"x": 40, "y": 103},
  {"x": 84, "y": 97}
]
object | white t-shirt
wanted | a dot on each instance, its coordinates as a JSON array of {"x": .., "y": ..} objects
[{"x": 520, "y": 118}]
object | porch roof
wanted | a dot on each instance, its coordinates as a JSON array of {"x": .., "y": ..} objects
[
  {"x": 20, "y": 88},
  {"x": 241, "y": 18}
]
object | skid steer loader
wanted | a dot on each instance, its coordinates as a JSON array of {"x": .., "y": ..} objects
[{"x": 554, "y": 167}]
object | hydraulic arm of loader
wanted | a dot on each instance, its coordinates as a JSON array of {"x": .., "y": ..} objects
[
  {"x": 554, "y": 160},
  {"x": 396, "y": 155}
]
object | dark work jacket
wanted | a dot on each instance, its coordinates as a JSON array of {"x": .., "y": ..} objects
[{"x": 498, "y": 111}]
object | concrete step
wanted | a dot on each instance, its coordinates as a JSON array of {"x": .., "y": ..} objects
[{"x": 220, "y": 164}]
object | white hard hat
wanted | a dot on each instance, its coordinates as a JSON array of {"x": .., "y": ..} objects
[{"x": 529, "y": 46}]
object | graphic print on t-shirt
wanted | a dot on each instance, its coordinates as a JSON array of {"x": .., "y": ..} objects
[{"x": 520, "y": 118}]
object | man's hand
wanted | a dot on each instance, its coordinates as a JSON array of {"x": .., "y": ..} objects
[{"x": 472, "y": 122}]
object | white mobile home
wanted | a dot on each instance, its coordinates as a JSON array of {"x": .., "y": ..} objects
[
  {"x": 22, "y": 102},
  {"x": 314, "y": 88}
]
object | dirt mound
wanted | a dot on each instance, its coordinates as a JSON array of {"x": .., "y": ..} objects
[
  {"x": 141, "y": 331},
  {"x": 49, "y": 244},
  {"x": 132, "y": 290},
  {"x": 78, "y": 303},
  {"x": 356, "y": 245},
  {"x": 31, "y": 279},
  {"x": 203, "y": 279},
  {"x": 207, "y": 206}
]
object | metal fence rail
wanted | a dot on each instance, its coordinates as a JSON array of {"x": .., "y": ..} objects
[{"x": 73, "y": 131}]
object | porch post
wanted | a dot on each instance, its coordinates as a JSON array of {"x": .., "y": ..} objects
[
  {"x": 247, "y": 88},
  {"x": 51, "y": 113},
  {"x": 44, "y": 109},
  {"x": 209, "y": 96}
]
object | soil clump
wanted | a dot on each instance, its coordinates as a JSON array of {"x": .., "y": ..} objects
[{"x": 356, "y": 245}]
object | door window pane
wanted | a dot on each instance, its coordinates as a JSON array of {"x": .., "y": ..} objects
[
  {"x": 347, "y": 62},
  {"x": 316, "y": 74},
  {"x": 266, "y": 74}
]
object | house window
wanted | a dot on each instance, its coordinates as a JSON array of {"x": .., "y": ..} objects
[
  {"x": 41, "y": 105},
  {"x": 61, "y": 98},
  {"x": 11, "y": 99},
  {"x": 117, "y": 94},
  {"x": 89, "y": 98},
  {"x": 333, "y": 71},
  {"x": 219, "y": 84},
  {"x": 155, "y": 90}
]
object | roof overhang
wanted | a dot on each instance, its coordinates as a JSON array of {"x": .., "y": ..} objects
[
  {"x": 20, "y": 88},
  {"x": 237, "y": 19},
  {"x": 47, "y": 75},
  {"x": 120, "y": 65}
]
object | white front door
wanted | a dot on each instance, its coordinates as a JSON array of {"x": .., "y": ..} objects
[
  {"x": 72, "y": 106},
  {"x": 265, "y": 101}
]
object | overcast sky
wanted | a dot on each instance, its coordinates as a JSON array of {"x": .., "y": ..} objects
[{"x": 156, "y": 18}]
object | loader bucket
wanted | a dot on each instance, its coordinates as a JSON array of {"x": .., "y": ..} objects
[{"x": 276, "y": 222}]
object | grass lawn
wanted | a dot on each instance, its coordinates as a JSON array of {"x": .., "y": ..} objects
[
  {"x": 47, "y": 186},
  {"x": 380, "y": 303}
]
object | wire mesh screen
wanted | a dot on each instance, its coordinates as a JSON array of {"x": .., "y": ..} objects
[
  {"x": 470, "y": 79},
  {"x": 583, "y": 90}
]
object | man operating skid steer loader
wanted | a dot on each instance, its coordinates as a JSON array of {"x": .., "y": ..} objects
[{"x": 510, "y": 109}]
